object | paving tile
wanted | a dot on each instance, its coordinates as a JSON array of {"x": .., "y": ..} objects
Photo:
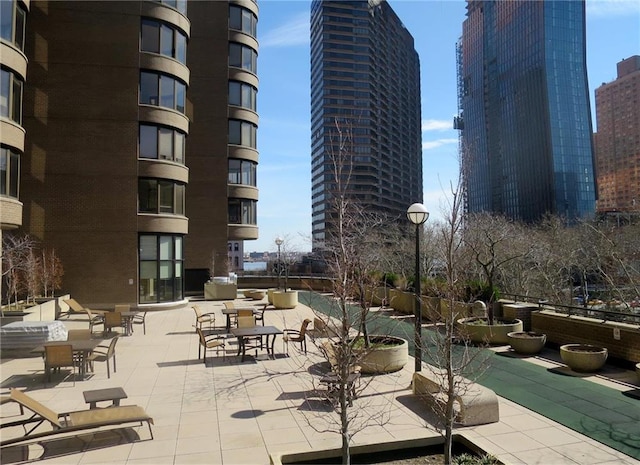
[
  {"x": 246, "y": 456},
  {"x": 515, "y": 442},
  {"x": 543, "y": 457}
]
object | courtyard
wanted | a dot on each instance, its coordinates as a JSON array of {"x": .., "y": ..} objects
[{"x": 232, "y": 412}]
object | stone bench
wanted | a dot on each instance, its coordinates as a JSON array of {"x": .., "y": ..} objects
[{"x": 475, "y": 404}]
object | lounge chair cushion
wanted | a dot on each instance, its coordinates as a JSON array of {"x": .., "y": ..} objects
[{"x": 108, "y": 416}]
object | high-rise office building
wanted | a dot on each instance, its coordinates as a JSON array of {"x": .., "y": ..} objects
[
  {"x": 365, "y": 78},
  {"x": 526, "y": 145},
  {"x": 139, "y": 158},
  {"x": 618, "y": 140}
]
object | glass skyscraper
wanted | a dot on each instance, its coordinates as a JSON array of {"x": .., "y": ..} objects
[
  {"x": 526, "y": 145},
  {"x": 365, "y": 80}
]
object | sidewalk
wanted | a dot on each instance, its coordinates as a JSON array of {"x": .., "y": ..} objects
[{"x": 229, "y": 412}]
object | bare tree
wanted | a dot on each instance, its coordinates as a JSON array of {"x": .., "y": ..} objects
[
  {"x": 15, "y": 253},
  {"x": 493, "y": 245},
  {"x": 351, "y": 250},
  {"x": 453, "y": 362},
  {"x": 33, "y": 272},
  {"x": 52, "y": 272}
]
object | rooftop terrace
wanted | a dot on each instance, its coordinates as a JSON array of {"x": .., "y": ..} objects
[{"x": 228, "y": 412}]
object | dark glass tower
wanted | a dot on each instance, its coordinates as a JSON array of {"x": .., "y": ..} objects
[
  {"x": 525, "y": 116},
  {"x": 365, "y": 77}
]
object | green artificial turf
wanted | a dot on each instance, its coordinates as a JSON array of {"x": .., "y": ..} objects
[{"x": 601, "y": 413}]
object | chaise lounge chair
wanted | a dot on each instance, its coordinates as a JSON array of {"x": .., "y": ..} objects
[
  {"x": 76, "y": 309},
  {"x": 63, "y": 423}
]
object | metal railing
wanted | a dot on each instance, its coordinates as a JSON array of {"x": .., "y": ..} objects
[{"x": 630, "y": 317}]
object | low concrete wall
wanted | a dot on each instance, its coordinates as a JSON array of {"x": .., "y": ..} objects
[
  {"x": 294, "y": 282},
  {"x": 621, "y": 339},
  {"x": 45, "y": 311}
]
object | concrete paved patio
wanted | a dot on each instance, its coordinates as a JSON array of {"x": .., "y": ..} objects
[{"x": 229, "y": 412}]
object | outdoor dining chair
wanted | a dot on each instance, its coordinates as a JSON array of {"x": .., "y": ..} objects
[
  {"x": 95, "y": 319},
  {"x": 114, "y": 320},
  {"x": 140, "y": 319},
  {"x": 246, "y": 319},
  {"x": 294, "y": 335},
  {"x": 103, "y": 353},
  {"x": 59, "y": 356},
  {"x": 211, "y": 342},
  {"x": 202, "y": 318}
]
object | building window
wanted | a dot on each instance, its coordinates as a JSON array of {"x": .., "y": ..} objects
[
  {"x": 12, "y": 22},
  {"x": 9, "y": 172},
  {"x": 242, "y": 133},
  {"x": 242, "y": 56},
  {"x": 157, "y": 37},
  {"x": 242, "y": 211},
  {"x": 161, "y": 143},
  {"x": 243, "y": 20},
  {"x": 180, "y": 5},
  {"x": 242, "y": 172},
  {"x": 160, "y": 196},
  {"x": 161, "y": 268},
  {"x": 242, "y": 95},
  {"x": 162, "y": 90},
  {"x": 10, "y": 96}
]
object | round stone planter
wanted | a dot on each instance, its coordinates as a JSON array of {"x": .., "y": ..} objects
[
  {"x": 527, "y": 342},
  {"x": 270, "y": 292},
  {"x": 285, "y": 299},
  {"x": 255, "y": 294},
  {"x": 583, "y": 358},
  {"x": 389, "y": 354},
  {"x": 478, "y": 330}
]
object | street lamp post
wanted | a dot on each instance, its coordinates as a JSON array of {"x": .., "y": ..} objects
[
  {"x": 279, "y": 242},
  {"x": 418, "y": 214}
]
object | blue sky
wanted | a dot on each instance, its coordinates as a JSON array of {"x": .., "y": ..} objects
[{"x": 284, "y": 208}]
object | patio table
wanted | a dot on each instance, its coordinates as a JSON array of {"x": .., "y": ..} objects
[
  {"x": 255, "y": 331},
  {"x": 82, "y": 347}
]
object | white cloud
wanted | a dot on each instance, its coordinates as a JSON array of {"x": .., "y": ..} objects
[
  {"x": 436, "y": 125},
  {"x": 607, "y": 8},
  {"x": 432, "y": 144},
  {"x": 292, "y": 33}
]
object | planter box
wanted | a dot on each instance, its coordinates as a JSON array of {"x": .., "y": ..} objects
[
  {"x": 422, "y": 446},
  {"x": 385, "y": 359},
  {"x": 583, "y": 358},
  {"x": 220, "y": 291},
  {"x": 520, "y": 311},
  {"x": 527, "y": 342},
  {"x": 270, "y": 292},
  {"x": 401, "y": 301},
  {"x": 285, "y": 299},
  {"x": 480, "y": 332}
]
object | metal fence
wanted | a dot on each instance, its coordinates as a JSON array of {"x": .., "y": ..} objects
[{"x": 628, "y": 315}]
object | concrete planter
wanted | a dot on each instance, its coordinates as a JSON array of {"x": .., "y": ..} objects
[
  {"x": 385, "y": 358},
  {"x": 583, "y": 358},
  {"x": 401, "y": 301},
  {"x": 220, "y": 291},
  {"x": 379, "y": 295},
  {"x": 477, "y": 330},
  {"x": 270, "y": 292},
  {"x": 527, "y": 342},
  {"x": 254, "y": 294},
  {"x": 285, "y": 299}
]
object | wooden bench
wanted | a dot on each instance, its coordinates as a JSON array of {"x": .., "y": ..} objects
[{"x": 475, "y": 404}]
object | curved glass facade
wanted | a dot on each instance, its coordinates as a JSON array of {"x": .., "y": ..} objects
[{"x": 526, "y": 137}]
